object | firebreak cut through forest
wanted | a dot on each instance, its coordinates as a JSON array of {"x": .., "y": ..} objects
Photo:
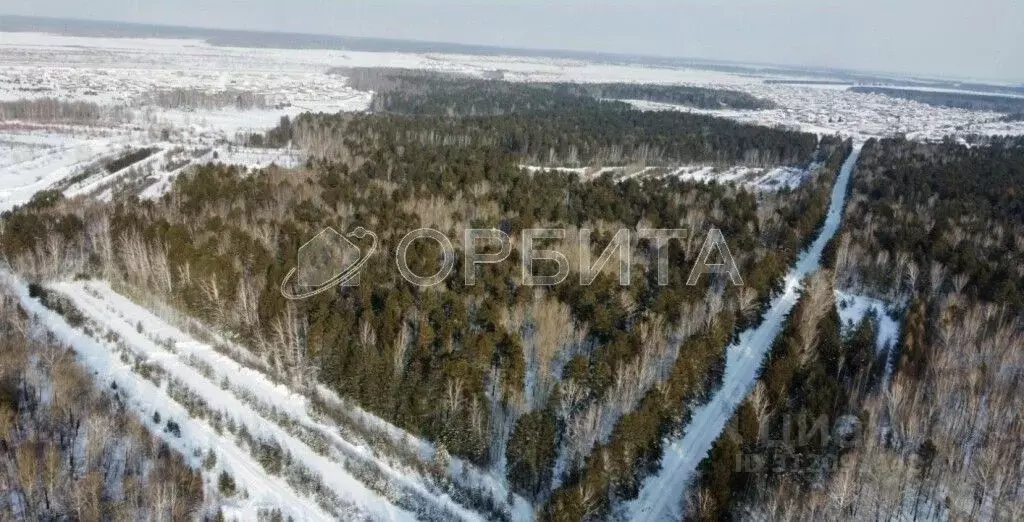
[
  {"x": 949, "y": 219},
  {"x": 570, "y": 392},
  {"x": 59, "y": 434}
]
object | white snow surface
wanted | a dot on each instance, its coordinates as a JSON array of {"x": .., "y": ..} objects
[
  {"x": 258, "y": 158},
  {"x": 757, "y": 179},
  {"x": 30, "y": 163},
  {"x": 660, "y": 494},
  {"x": 42, "y": 157},
  {"x": 95, "y": 183},
  {"x": 853, "y": 308},
  {"x": 98, "y": 301}
]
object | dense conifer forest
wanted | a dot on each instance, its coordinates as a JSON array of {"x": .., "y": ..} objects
[{"x": 548, "y": 124}]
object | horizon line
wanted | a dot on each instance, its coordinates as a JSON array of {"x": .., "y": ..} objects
[{"x": 490, "y": 49}]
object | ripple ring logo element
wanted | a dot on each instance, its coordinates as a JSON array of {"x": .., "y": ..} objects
[{"x": 344, "y": 277}]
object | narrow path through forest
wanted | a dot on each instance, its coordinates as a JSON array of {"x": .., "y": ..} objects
[{"x": 659, "y": 497}]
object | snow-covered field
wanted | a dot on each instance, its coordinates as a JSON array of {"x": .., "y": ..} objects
[
  {"x": 72, "y": 160},
  {"x": 660, "y": 494},
  {"x": 30, "y": 162},
  {"x": 117, "y": 74},
  {"x": 120, "y": 70},
  {"x": 757, "y": 179}
]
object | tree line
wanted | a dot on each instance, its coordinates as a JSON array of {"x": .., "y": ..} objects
[
  {"x": 193, "y": 98},
  {"x": 398, "y": 90},
  {"x": 52, "y": 110}
]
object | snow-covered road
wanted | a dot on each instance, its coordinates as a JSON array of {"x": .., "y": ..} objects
[{"x": 660, "y": 494}]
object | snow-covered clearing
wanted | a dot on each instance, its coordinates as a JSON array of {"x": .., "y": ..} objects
[
  {"x": 853, "y": 308},
  {"x": 159, "y": 182},
  {"x": 660, "y": 494},
  {"x": 758, "y": 179},
  {"x": 211, "y": 125},
  {"x": 27, "y": 169},
  {"x": 259, "y": 158},
  {"x": 96, "y": 184},
  {"x": 71, "y": 160},
  {"x": 754, "y": 178}
]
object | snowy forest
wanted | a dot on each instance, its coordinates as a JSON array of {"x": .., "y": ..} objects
[
  {"x": 469, "y": 401},
  {"x": 558, "y": 389}
]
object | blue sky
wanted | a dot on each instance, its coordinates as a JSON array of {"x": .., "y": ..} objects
[{"x": 979, "y": 39}]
